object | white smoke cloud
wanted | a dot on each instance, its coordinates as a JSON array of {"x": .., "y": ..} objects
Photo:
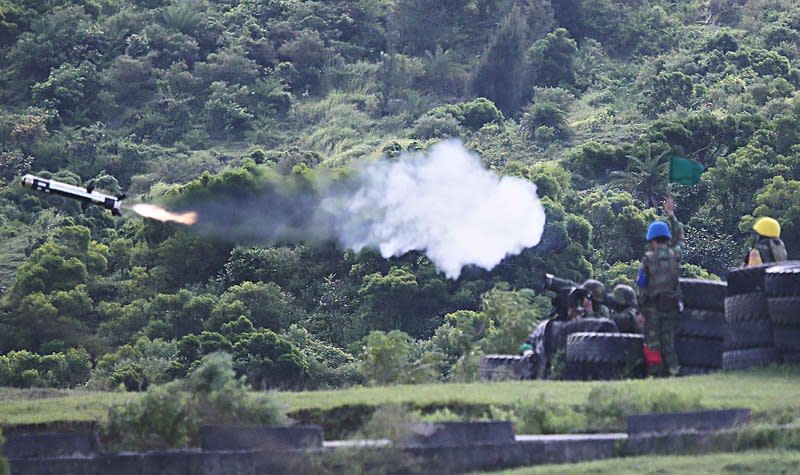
[{"x": 442, "y": 202}]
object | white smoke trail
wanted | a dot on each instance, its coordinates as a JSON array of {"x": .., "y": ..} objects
[{"x": 442, "y": 202}]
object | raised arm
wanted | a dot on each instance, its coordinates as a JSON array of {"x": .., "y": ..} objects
[{"x": 675, "y": 225}]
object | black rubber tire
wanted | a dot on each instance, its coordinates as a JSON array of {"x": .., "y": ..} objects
[
  {"x": 748, "y": 334},
  {"x": 695, "y": 370},
  {"x": 784, "y": 310},
  {"x": 787, "y": 339},
  {"x": 594, "y": 356},
  {"x": 704, "y": 294},
  {"x": 499, "y": 367},
  {"x": 701, "y": 323},
  {"x": 752, "y": 306},
  {"x": 746, "y": 280},
  {"x": 743, "y": 359},
  {"x": 574, "y": 371},
  {"x": 603, "y": 371},
  {"x": 783, "y": 280},
  {"x": 605, "y": 347},
  {"x": 699, "y": 352}
]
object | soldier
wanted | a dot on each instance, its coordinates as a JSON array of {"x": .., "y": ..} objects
[
  {"x": 622, "y": 301},
  {"x": 659, "y": 294},
  {"x": 768, "y": 246},
  {"x": 594, "y": 303}
]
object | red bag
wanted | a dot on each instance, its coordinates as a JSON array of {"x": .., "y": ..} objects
[{"x": 651, "y": 357}]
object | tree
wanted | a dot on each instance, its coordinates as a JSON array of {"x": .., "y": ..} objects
[
  {"x": 514, "y": 315},
  {"x": 70, "y": 90},
  {"x": 443, "y": 74},
  {"x": 131, "y": 80},
  {"x": 307, "y": 53},
  {"x": 263, "y": 303},
  {"x": 646, "y": 178},
  {"x": 500, "y": 75},
  {"x": 63, "y": 36},
  {"x": 552, "y": 59},
  {"x": 386, "y": 356},
  {"x": 618, "y": 225},
  {"x": 543, "y": 117},
  {"x": 668, "y": 90},
  {"x": 269, "y": 361}
]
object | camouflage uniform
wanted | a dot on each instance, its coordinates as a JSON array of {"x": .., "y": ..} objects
[
  {"x": 598, "y": 290},
  {"x": 623, "y": 309},
  {"x": 626, "y": 320},
  {"x": 599, "y": 311},
  {"x": 659, "y": 300}
]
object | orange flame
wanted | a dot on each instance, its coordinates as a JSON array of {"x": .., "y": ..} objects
[{"x": 160, "y": 214}]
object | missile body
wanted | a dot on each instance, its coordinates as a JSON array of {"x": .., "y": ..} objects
[{"x": 87, "y": 196}]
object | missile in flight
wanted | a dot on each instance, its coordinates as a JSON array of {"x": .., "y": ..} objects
[{"x": 86, "y": 195}]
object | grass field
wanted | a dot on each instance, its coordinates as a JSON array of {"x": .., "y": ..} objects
[
  {"x": 763, "y": 462},
  {"x": 773, "y": 395}
]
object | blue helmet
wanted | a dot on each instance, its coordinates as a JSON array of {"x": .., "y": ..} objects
[{"x": 658, "y": 229}]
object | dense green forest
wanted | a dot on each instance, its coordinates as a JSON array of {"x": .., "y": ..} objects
[{"x": 165, "y": 99}]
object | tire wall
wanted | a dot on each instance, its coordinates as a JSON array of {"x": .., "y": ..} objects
[
  {"x": 700, "y": 329},
  {"x": 782, "y": 291}
]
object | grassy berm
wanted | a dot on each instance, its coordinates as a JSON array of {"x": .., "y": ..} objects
[{"x": 536, "y": 406}]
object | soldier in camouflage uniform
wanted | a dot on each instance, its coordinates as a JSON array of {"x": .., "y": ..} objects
[
  {"x": 595, "y": 304},
  {"x": 623, "y": 309},
  {"x": 659, "y": 294}
]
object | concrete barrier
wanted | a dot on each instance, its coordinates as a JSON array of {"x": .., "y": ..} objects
[
  {"x": 448, "y": 434},
  {"x": 688, "y": 421},
  {"x": 50, "y": 444},
  {"x": 445, "y": 448},
  {"x": 259, "y": 437}
]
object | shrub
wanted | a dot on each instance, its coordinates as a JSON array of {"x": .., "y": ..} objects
[
  {"x": 607, "y": 407},
  {"x": 170, "y": 415},
  {"x": 25, "y": 369},
  {"x": 436, "y": 126},
  {"x": 135, "y": 367},
  {"x": 545, "y": 417},
  {"x": 479, "y": 112},
  {"x": 328, "y": 365}
]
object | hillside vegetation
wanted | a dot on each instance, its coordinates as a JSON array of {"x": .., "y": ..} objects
[{"x": 166, "y": 100}]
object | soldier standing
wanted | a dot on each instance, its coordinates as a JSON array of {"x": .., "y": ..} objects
[{"x": 659, "y": 293}]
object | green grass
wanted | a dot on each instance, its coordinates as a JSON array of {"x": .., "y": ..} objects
[
  {"x": 764, "y": 461},
  {"x": 36, "y": 406},
  {"x": 775, "y": 389},
  {"x": 773, "y": 395}
]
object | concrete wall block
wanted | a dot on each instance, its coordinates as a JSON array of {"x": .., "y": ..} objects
[
  {"x": 50, "y": 444},
  {"x": 688, "y": 421},
  {"x": 447, "y": 434}
]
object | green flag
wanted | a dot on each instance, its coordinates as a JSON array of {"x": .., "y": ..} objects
[{"x": 684, "y": 171}]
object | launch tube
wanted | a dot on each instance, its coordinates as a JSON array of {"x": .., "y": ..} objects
[{"x": 87, "y": 196}]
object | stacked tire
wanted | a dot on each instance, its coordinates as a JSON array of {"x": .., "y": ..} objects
[
  {"x": 500, "y": 367},
  {"x": 748, "y": 335},
  {"x": 602, "y": 356},
  {"x": 700, "y": 329},
  {"x": 782, "y": 288}
]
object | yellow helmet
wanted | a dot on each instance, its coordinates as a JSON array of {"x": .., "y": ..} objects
[{"x": 767, "y": 227}]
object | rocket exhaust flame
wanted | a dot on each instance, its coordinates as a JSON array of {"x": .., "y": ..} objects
[{"x": 160, "y": 214}]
